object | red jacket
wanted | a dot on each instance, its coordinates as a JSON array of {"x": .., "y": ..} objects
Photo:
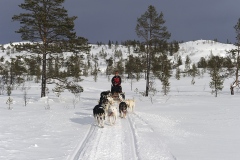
[{"x": 116, "y": 81}]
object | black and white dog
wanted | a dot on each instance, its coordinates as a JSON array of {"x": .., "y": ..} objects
[
  {"x": 99, "y": 114},
  {"x": 122, "y": 95},
  {"x": 123, "y": 109},
  {"x": 105, "y": 94}
]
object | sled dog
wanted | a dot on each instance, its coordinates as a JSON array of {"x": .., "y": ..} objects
[
  {"x": 99, "y": 114},
  {"x": 131, "y": 104},
  {"x": 112, "y": 114},
  {"x": 123, "y": 109}
]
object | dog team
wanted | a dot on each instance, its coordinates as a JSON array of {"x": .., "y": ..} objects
[{"x": 108, "y": 107}]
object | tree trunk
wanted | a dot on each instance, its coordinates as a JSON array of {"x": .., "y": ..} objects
[
  {"x": 237, "y": 68},
  {"x": 232, "y": 90},
  {"x": 147, "y": 78},
  {"x": 44, "y": 75}
]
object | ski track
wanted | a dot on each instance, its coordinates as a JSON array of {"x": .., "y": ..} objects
[
  {"x": 81, "y": 147},
  {"x": 142, "y": 131},
  {"x": 131, "y": 138},
  {"x": 125, "y": 140},
  {"x": 115, "y": 142}
]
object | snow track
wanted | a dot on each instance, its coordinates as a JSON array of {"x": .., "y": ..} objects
[
  {"x": 124, "y": 140},
  {"x": 81, "y": 148},
  {"x": 155, "y": 148},
  {"x": 130, "y": 145},
  {"x": 116, "y": 141}
]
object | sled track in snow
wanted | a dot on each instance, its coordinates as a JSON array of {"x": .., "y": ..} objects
[
  {"x": 125, "y": 133},
  {"x": 80, "y": 149},
  {"x": 134, "y": 139},
  {"x": 122, "y": 141},
  {"x": 140, "y": 125},
  {"x": 134, "y": 121}
]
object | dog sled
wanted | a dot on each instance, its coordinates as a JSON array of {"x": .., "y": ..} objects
[
  {"x": 109, "y": 104},
  {"x": 118, "y": 96}
]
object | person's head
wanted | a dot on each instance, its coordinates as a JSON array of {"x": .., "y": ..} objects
[{"x": 116, "y": 73}]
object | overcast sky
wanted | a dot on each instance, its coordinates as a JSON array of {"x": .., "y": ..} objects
[{"x": 115, "y": 20}]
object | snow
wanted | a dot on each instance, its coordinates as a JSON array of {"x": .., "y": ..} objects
[
  {"x": 188, "y": 124},
  {"x": 203, "y": 48}
]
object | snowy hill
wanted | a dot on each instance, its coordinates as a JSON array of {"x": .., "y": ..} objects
[
  {"x": 188, "y": 124},
  {"x": 203, "y": 48},
  {"x": 194, "y": 49}
]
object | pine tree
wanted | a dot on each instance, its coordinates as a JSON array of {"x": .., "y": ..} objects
[
  {"x": 187, "y": 64},
  {"x": 202, "y": 63},
  {"x": 129, "y": 66},
  {"x": 119, "y": 66},
  {"x": 50, "y": 30},
  {"x": 236, "y": 54},
  {"x": 217, "y": 82},
  {"x": 18, "y": 69},
  {"x": 193, "y": 73},
  {"x": 95, "y": 69},
  {"x": 109, "y": 44},
  {"x": 171, "y": 49},
  {"x": 177, "y": 75},
  {"x": 150, "y": 27},
  {"x": 165, "y": 85},
  {"x": 176, "y": 46},
  {"x": 166, "y": 74},
  {"x": 110, "y": 67},
  {"x": 162, "y": 70},
  {"x": 228, "y": 64},
  {"x": 179, "y": 61}
]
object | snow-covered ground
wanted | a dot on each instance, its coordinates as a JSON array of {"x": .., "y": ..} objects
[{"x": 188, "y": 124}]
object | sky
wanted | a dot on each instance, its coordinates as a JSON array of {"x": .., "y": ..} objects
[{"x": 104, "y": 20}]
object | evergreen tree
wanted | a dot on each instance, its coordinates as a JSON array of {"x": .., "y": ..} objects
[
  {"x": 187, "y": 64},
  {"x": 18, "y": 69},
  {"x": 176, "y": 46},
  {"x": 219, "y": 60},
  {"x": 129, "y": 66},
  {"x": 95, "y": 69},
  {"x": 119, "y": 66},
  {"x": 134, "y": 67},
  {"x": 50, "y": 69},
  {"x": 57, "y": 66},
  {"x": 193, "y": 72},
  {"x": 165, "y": 85},
  {"x": 109, "y": 44},
  {"x": 49, "y": 29},
  {"x": 229, "y": 65},
  {"x": 179, "y": 61},
  {"x": 150, "y": 27},
  {"x": 162, "y": 71},
  {"x": 110, "y": 67},
  {"x": 177, "y": 75},
  {"x": 139, "y": 67},
  {"x": 116, "y": 44},
  {"x": 2, "y": 48},
  {"x": 217, "y": 82},
  {"x": 202, "y": 63},
  {"x": 236, "y": 53},
  {"x": 171, "y": 49}
]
